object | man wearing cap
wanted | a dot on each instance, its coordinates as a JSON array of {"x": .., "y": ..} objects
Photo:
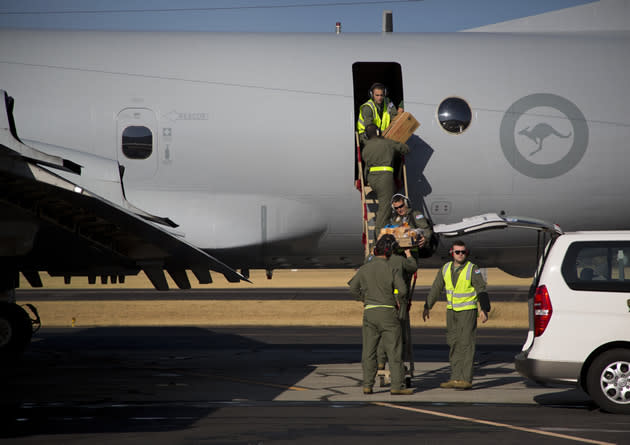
[
  {"x": 378, "y": 155},
  {"x": 383, "y": 292},
  {"x": 404, "y": 263}
]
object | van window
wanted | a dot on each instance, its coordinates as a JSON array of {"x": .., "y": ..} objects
[{"x": 598, "y": 266}]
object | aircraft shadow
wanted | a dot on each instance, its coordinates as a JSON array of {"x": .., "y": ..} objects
[
  {"x": 153, "y": 379},
  {"x": 130, "y": 379},
  {"x": 416, "y": 161}
]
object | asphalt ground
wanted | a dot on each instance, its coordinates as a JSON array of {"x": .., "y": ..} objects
[
  {"x": 273, "y": 384},
  {"x": 276, "y": 385}
]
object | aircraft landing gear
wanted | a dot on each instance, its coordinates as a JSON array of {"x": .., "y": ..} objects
[{"x": 16, "y": 329}]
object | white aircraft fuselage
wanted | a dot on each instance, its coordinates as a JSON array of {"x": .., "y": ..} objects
[{"x": 253, "y": 151}]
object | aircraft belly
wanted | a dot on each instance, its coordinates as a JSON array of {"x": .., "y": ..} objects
[{"x": 227, "y": 220}]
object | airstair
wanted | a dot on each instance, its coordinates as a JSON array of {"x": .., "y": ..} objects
[{"x": 369, "y": 203}]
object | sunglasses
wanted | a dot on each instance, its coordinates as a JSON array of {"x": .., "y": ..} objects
[
  {"x": 399, "y": 207},
  {"x": 459, "y": 252}
]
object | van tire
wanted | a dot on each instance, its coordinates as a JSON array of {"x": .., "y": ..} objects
[{"x": 610, "y": 370}]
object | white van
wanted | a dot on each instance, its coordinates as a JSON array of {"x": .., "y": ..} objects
[{"x": 579, "y": 308}]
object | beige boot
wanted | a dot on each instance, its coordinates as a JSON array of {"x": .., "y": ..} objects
[
  {"x": 462, "y": 384},
  {"x": 402, "y": 392}
]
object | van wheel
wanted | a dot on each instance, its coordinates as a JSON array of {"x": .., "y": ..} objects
[
  {"x": 15, "y": 330},
  {"x": 608, "y": 381}
]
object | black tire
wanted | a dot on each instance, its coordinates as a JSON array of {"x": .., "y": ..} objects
[
  {"x": 15, "y": 330},
  {"x": 608, "y": 381}
]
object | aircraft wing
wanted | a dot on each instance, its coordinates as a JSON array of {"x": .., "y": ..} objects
[{"x": 48, "y": 223}]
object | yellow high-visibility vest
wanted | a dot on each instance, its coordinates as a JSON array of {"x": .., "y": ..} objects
[
  {"x": 382, "y": 124},
  {"x": 462, "y": 296}
]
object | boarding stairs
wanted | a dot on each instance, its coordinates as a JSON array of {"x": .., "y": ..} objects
[{"x": 369, "y": 203}]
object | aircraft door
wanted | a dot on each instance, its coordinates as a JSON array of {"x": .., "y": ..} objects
[{"x": 136, "y": 137}]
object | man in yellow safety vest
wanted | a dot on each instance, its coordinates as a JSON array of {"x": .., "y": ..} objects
[
  {"x": 465, "y": 288},
  {"x": 378, "y": 110}
]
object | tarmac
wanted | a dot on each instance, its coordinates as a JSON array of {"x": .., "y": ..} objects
[{"x": 269, "y": 384}]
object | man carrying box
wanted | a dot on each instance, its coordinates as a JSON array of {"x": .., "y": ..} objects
[
  {"x": 403, "y": 214},
  {"x": 379, "y": 154},
  {"x": 378, "y": 110}
]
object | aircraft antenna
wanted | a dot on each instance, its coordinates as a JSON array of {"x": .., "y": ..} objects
[{"x": 388, "y": 21}]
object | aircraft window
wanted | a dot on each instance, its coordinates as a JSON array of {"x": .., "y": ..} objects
[
  {"x": 137, "y": 142},
  {"x": 454, "y": 115}
]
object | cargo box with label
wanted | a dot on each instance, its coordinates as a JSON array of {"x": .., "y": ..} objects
[{"x": 402, "y": 127}]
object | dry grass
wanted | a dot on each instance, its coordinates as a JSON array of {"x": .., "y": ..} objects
[
  {"x": 251, "y": 312},
  {"x": 244, "y": 313}
]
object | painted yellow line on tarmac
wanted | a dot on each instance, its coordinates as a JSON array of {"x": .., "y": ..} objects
[
  {"x": 488, "y": 422},
  {"x": 251, "y": 382}
]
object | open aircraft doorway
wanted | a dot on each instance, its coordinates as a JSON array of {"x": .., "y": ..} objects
[{"x": 366, "y": 74}]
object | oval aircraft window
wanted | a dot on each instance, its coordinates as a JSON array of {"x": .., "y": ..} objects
[
  {"x": 454, "y": 115},
  {"x": 137, "y": 142}
]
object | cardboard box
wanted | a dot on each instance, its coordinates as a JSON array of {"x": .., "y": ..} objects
[
  {"x": 406, "y": 236},
  {"x": 402, "y": 127}
]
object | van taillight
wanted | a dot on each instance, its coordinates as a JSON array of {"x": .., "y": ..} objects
[{"x": 542, "y": 310}]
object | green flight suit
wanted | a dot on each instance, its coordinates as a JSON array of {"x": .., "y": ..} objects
[
  {"x": 378, "y": 156},
  {"x": 375, "y": 284},
  {"x": 407, "y": 266},
  {"x": 415, "y": 220},
  {"x": 461, "y": 326}
]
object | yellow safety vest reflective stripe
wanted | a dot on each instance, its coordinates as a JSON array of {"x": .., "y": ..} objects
[
  {"x": 382, "y": 169},
  {"x": 462, "y": 296},
  {"x": 382, "y": 124}
]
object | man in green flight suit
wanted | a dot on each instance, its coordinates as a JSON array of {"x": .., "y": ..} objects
[
  {"x": 379, "y": 154},
  {"x": 402, "y": 261},
  {"x": 383, "y": 292},
  {"x": 402, "y": 213},
  {"x": 465, "y": 287}
]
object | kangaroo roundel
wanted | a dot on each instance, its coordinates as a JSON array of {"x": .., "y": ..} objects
[{"x": 543, "y": 135}]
